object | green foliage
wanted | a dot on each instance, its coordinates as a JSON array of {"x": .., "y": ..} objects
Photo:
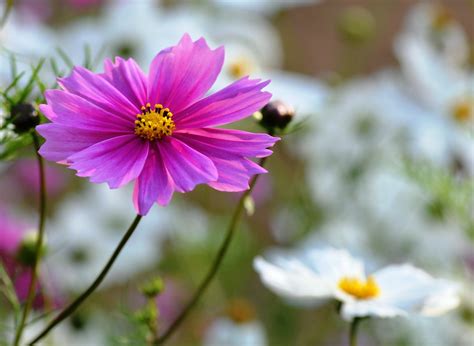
[{"x": 451, "y": 195}]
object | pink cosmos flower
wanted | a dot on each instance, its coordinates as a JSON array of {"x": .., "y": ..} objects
[
  {"x": 158, "y": 130},
  {"x": 11, "y": 236}
]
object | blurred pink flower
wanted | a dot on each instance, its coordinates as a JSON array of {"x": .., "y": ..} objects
[
  {"x": 12, "y": 234},
  {"x": 26, "y": 173},
  {"x": 170, "y": 303}
]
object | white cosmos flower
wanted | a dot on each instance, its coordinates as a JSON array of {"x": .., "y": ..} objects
[
  {"x": 329, "y": 273},
  {"x": 226, "y": 332},
  {"x": 433, "y": 53},
  {"x": 264, "y": 6},
  {"x": 87, "y": 228},
  {"x": 239, "y": 327}
]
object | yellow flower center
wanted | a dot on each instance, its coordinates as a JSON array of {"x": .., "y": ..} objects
[
  {"x": 442, "y": 17},
  {"x": 241, "y": 311},
  {"x": 462, "y": 111},
  {"x": 358, "y": 288},
  {"x": 154, "y": 123},
  {"x": 240, "y": 67}
]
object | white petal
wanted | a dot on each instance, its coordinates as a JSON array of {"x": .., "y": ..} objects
[
  {"x": 292, "y": 279},
  {"x": 333, "y": 264},
  {"x": 413, "y": 290},
  {"x": 370, "y": 307},
  {"x": 444, "y": 299}
]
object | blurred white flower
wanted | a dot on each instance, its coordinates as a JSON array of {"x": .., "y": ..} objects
[
  {"x": 238, "y": 328},
  {"x": 27, "y": 39},
  {"x": 141, "y": 28},
  {"x": 264, "y": 6},
  {"x": 433, "y": 51},
  {"x": 82, "y": 329},
  {"x": 355, "y": 149},
  {"x": 433, "y": 23},
  {"x": 88, "y": 227},
  {"x": 226, "y": 332},
  {"x": 79, "y": 330},
  {"x": 445, "y": 330},
  {"x": 396, "y": 290}
]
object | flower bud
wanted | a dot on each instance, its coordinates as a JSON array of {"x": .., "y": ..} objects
[
  {"x": 153, "y": 288},
  {"x": 24, "y": 117},
  {"x": 26, "y": 253},
  {"x": 276, "y": 114},
  {"x": 78, "y": 321},
  {"x": 356, "y": 25}
]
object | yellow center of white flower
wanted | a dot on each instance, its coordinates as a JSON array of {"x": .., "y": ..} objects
[
  {"x": 154, "y": 123},
  {"x": 463, "y": 110},
  {"x": 240, "y": 311},
  {"x": 240, "y": 67},
  {"x": 442, "y": 17},
  {"x": 358, "y": 288}
]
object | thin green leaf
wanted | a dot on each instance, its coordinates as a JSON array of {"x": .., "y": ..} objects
[
  {"x": 29, "y": 86},
  {"x": 14, "y": 82},
  {"x": 6, "y": 12},
  {"x": 87, "y": 57},
  {"x": 98, "y": 57},
  {"x": 11, "y": 148},
  {"x": 13, "y": 66},
  {"x": 8, "y": 289},
  {"x": 54, "y": 66},
  {"x": 65, "y": 57}
]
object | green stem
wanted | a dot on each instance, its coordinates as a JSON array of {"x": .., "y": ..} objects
[
  {"x": 39, "y": 243},
  {"x": 353, "y": 331},
  {"x": 215, "y": 265},
  {"x": 153, "y": 322},
  {"x": 79, "y": 300}
]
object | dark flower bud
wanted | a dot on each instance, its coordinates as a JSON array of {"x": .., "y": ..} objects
[
  {"x": 276, "y": 114},
  {"x": 24, "y": 117},
  {"x": 78, "y": 321}
]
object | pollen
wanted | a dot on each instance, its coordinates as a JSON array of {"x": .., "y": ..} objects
[
  {"x": 358, "y": 288},
  {"x": 154, "y": 123},
  {"x": 462, "y": 111}
]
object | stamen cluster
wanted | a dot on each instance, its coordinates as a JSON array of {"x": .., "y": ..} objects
[
  {"x": 358, "y": 288},
  {"x": 154, "y": 123}
]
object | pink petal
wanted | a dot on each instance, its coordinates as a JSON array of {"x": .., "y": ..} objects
[
  {"x": 186, "y": 166},
  {"x": 227, "y": 149},
  {"x": 72, "y": 110},
  {"x": 234, "y": 173},
  {"x": 128, "y": 78},
  {"x": 237, "y": 101},
  {"x": 154, "y": 184},
  {"x": 98, "y": 90},
  {"x": 63, "y": 141},
  {"x": 116, "y": 161},
  {"x": 182, "y": 74},
  {"x": 227, "y": 141}
]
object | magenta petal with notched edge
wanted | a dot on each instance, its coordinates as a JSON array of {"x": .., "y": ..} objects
[{"x": 157, "y": 129}]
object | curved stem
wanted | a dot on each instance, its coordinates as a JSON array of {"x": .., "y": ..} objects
[
  {"x": 79, "y": 300},
  {"x": 215, "y": 265},
  {"x": 39, "y": 242},
  {"x": 353, "y": 331}
]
